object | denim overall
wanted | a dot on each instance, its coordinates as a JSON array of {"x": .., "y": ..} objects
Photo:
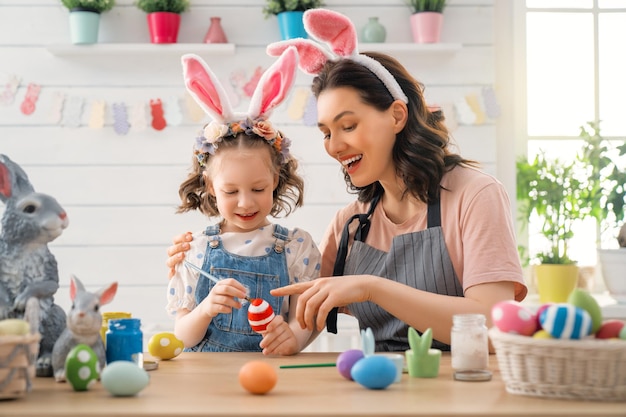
[
  {"x": 419, "y": 260},
  {"x": 232, "y": 332}
]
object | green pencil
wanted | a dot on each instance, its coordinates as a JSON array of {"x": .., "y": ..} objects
[{"x": 310, "y": 365}]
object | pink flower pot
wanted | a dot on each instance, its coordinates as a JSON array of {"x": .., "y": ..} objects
[
  {"x": 426, "y": 27},
  {"x": 163, "y": 27}
]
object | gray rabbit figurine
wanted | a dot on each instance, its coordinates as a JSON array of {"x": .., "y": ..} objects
[
  {"x": 27, "y": 267},
  {"x": 84, "y": 321}
]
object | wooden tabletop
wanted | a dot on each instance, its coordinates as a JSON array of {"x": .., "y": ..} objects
[{"x": 206, "y": 384}]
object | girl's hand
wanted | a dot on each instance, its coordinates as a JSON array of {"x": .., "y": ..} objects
[
  {"x": 223, "y": 298},
  {"x": 319, "y": 296},
  {"x": 278, "y": 339},
  {"x": 176, "y": 252}
]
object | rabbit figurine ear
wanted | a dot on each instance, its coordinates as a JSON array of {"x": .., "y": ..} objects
[
  {"x": 13, "y": 179},
  {"x": 274, "y": 85},
  {"x": 105, "y": 294},
  {"x": 206, "y": 89}
]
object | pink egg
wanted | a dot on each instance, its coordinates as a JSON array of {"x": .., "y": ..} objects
[{"x": 512, "y": 317}]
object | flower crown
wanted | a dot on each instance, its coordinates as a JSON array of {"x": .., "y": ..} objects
[{"x": 215, "y": 132}]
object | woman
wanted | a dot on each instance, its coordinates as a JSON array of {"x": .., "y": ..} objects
[{"x": 430, "y": 235}]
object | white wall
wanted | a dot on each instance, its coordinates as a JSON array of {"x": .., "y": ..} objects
[{"x": 120, "y": 191}]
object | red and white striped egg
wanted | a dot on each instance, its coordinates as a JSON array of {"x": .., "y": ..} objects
[
  {"x": 565, "y": 321},
  {"x": 260, "y": 314}
]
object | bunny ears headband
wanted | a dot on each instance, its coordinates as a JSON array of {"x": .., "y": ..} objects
[
  {"x": 272, "y": 88},
  {"x": 338, "y": 32}
]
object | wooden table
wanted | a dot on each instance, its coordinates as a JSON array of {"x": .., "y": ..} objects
[{"x": 206, "y": 384}]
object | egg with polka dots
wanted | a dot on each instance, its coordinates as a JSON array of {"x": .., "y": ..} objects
[
  {"x": 82, "y": 368},
  {"x": 165, "y": 346},
  {"x": 512, "y": 317}
]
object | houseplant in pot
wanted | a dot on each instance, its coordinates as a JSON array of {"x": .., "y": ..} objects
[
  {"x": 85, "y": 18},
  {"x": 550, "y": 190},
  {"x": 289, "y": 14},
  {"x": 426, "y": 20},
  {"x": 605, "y": 169},
  {"x": 163, "y": 18}
]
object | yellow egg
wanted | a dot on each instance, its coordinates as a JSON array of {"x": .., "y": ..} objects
[
  {"x": 165, "y": 346},
  {"x": 542, "y": 334}
]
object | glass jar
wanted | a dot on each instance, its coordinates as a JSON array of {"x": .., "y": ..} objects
[
  {"x": 124, "y": 341},
  {"x": 111, "y": 315},
  {"x": 469, "y": 347}
]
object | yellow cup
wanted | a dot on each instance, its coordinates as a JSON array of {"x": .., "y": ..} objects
[
  {"x": 111, "y": 316},
  {"x": 555, "y": 282}
]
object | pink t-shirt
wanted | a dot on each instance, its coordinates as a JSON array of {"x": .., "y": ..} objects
[{"x": 477, "y": 227}]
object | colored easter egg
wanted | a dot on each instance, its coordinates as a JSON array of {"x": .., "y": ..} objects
[
  {"x": 539, "y": 311},
  {"x": 260, "y": 313},
  {"x": 346, "y": 360},
  {"x": 610, "y": 329},
  {"x": 622, "y": 333},
  {"x": 258, "y": 377},
  {"x": 581, "y": 298},
  {"x": 374, "y": 372},
  {"x": 165, "y": 346},
  {"x": 565, "y": 321},
  {"x": 542, "y": 334},
  {"x": 512, "y": 317},
  {"x": 82, "y": 368},
  {"x": 124, "y": 378}
]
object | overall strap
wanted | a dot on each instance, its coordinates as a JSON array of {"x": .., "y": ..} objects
[{"x": 342, "y": 252}]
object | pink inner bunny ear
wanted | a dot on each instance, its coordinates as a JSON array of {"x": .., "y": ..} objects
[
  {"x": 312, "y": 56},
  {"x": 205, "y": 88},
  {"x": 108, "y": 293},
  {"x": 333, "y": 28},
  {"x": 275, "y": 84},
  {"x": 5, "y": 181}
]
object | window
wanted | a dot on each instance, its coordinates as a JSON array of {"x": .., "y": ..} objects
[{"x": 574, "y": 75}]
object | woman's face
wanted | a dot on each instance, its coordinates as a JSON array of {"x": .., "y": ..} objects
[
  {"x": 243, "y": 183},
  {"x": 358, "y": 135}
]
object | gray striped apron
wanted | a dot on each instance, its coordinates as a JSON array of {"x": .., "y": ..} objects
[{"x": 419, "y": 260}]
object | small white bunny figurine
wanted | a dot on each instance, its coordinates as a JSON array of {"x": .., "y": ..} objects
[
  {"x": 27, "y": 267},
  {"x": 84, "y": 321}
]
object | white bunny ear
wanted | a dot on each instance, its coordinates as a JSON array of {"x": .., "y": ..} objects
[
  {"x": 334, "y": 29},
  {"x": 274, "y": 85},
  {"x": 206, "y": 88}
]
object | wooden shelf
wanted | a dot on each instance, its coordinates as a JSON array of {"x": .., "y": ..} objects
[
  {"x": 422, "y": 48},
  {"x": 141, "y": 49}
]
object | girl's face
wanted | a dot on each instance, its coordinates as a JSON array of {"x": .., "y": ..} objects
[
  {"x": 358, "y": 135},
  {"x": 242, "y": 183}
]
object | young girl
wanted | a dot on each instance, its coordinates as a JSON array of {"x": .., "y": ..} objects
[{"x": 243, "y": 172}]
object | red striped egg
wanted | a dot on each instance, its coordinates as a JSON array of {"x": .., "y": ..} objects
[
  {"x": 260, "y": 313},
  {"x": 565, "y": 321}
]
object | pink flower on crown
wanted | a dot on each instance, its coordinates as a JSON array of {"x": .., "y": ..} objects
[
  {"x": 264, "y": 129},
  {"x": 214, "y": 131}
]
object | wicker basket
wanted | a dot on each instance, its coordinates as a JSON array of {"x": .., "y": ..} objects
[
  {"x": 589, "y": 369},
  {"x": 18, "y": 355}
]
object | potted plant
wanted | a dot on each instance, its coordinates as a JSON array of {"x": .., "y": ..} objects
[
  {"x": 289, "y": 14},
  {"x": 85, "y": 18},
  {"x": 163, "y": 18},
  {"x": 550, "y": 190},
  {"x": 605, "y": 168},
  {"x": 426, "y": 20}
]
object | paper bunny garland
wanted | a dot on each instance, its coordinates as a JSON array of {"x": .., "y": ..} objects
[
  {"x": 271, "y": 90},
  {"x": 339, "y": 33}
]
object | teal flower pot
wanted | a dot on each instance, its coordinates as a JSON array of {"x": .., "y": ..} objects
[
  {"x": 84, "y": 26},
  {"x": 291, "y": 25}
]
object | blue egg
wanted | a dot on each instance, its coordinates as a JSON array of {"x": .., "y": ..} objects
[
  {"x": 566, "y": 321},
  {"x": 374, "y": 372}
]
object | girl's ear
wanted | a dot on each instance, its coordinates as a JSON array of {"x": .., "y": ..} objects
[
  {"x": 400, "y": 114},
  {"x": 276, "y": 178}
]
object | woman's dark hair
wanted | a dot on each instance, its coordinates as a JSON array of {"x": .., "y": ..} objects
[
  {"x": 421, "y": 151},
  {"x": 288, "y": 193}
]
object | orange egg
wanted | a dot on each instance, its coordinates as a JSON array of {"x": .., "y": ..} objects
[{"x": 258, "y": 377}]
